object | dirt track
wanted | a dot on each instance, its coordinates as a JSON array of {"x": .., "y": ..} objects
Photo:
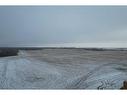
[{"x": 64, "y": 69}]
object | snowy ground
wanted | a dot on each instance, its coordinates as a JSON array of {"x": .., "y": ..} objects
[{"x": 64, "y": 69}]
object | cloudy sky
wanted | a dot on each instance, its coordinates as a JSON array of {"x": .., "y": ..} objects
[{"x": 42, "y": 25}]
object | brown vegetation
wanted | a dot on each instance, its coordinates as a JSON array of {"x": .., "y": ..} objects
[{"x": 124, "y": 85}]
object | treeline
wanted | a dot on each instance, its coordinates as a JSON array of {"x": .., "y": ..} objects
[{"x": 8, "y": 52}]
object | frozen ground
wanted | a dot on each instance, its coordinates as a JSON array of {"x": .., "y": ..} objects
[{"x": 64, "y": 69}]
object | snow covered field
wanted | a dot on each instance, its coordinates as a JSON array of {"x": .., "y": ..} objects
[{"x": 64, "y": 69}]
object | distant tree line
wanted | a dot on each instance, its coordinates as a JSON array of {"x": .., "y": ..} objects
[{"x": 8, "y": 52}]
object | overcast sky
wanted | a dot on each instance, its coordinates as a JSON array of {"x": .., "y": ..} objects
[{"x": 37, "y": 26}]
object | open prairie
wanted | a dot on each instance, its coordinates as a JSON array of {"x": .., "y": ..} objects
[{"x": 63, "y": 68}]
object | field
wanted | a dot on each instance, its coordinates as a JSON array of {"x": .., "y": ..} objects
[{"x": 62, "y": 68}]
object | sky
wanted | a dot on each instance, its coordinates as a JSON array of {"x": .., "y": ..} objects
[{"x": 63, "y": 25}]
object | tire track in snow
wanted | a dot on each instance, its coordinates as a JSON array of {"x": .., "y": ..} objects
[
  {"x": 3, "y": 76},
  {"x": 76, "y": 83}
]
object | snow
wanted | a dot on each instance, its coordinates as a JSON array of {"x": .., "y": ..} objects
[{"x": 64, "y": 69}]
